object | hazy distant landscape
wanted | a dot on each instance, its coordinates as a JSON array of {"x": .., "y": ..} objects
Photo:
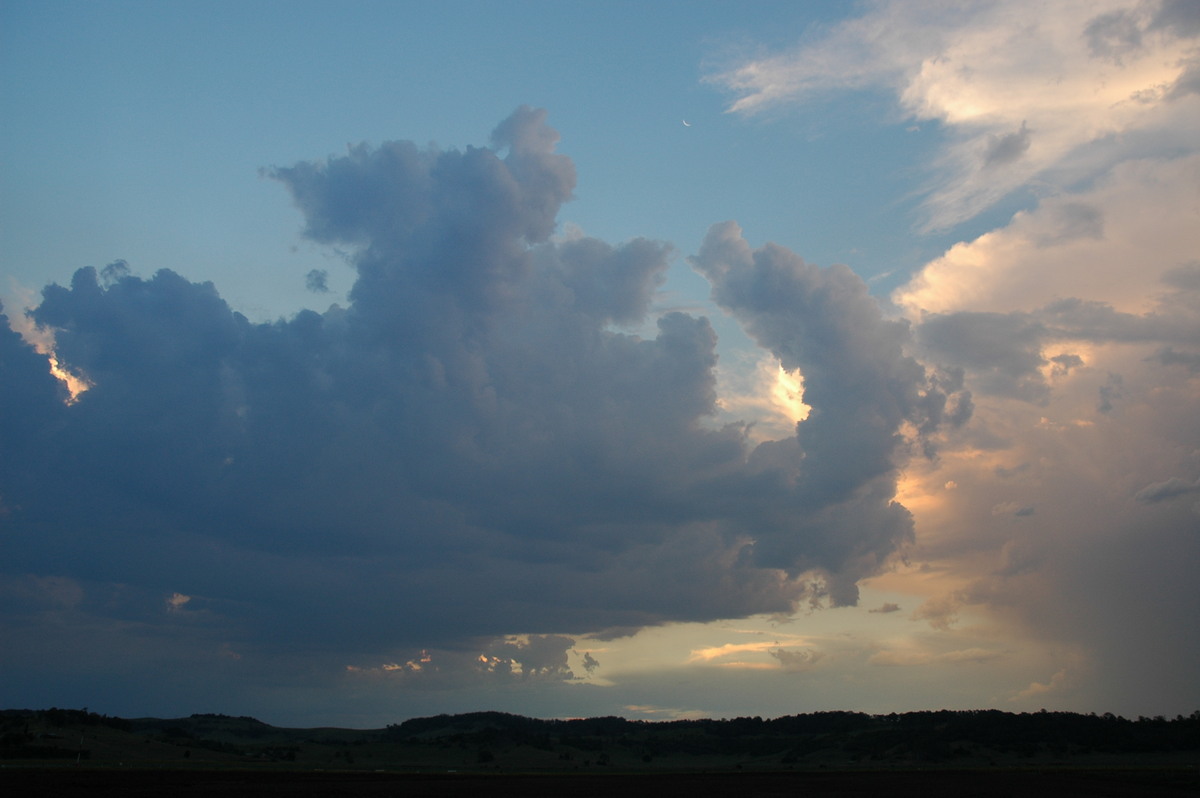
[{"x": 1122, "y": 754}]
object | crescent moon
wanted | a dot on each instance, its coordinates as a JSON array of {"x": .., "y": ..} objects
[{"x": 686, "y": 123}]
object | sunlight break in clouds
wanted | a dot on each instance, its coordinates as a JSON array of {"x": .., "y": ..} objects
[
  {"x": 765, "y": 392},
  {"x": 41, "y": 338},
  {"x": 1029, "y": 94}
]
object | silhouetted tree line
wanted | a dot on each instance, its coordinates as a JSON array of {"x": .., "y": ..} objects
[
  {"x": 61, "y": 717},
  {"x": 912, "y": 736},
  {"x": 935, "y": 735},
  {"x": 28, "y": 733}
]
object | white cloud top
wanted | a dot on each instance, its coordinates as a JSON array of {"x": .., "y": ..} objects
[{"x": 1026, "y": 92}]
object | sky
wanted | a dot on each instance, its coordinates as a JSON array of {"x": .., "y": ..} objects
[{"x": 365, "y": 361}]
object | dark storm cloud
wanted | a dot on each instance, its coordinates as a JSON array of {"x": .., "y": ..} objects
[
  {"x": 1005, "y": 149},
  {"x": 471, "y": 448},
  {"x": 317, "y": 281},
  {"x": 1181, "y": 17},
  {"x": 1114, "y": 34},
  {"x": 860, "y": 385},
  {"x": 1098, "y": 321},
  {"x": 1169, "y": 357},
  {"x": 1003, "y": 351},
  {"x": 1118, "y": 33},
  {"x": 31, "y": 407}
]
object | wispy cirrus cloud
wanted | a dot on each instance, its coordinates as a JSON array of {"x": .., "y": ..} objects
[{"x": 1027, "y": 94}]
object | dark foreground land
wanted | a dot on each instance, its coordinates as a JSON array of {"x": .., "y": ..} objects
[
  {"x": 982, "y": 753},
  {"x": 895, "y": 784}
]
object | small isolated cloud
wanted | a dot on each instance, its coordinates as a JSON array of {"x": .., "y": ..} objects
[
  {"x": 886, "y": 608},
  {"x": 317, "y": 281},
  {"x": 1064, "y": 363},
  {"x": 1115, "y": 34},
  {"x": 1060, "y": 681},
  {"x": 1004, "y": 149},
  {"x": 795, "y": 661},
  {"x": 177, "y": 601}
]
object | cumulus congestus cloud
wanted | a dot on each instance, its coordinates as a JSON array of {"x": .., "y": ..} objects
[{"x": 475, "y": 446}]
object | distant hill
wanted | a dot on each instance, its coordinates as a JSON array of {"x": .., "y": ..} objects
[{"x": 496, "y": 741}]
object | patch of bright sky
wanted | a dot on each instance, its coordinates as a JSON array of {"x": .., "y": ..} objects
[
  {"x": 136, "y": 131},
  {"x": 840, "y": 656}
]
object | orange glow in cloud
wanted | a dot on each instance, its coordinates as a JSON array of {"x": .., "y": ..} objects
[
  {"x": 75, "y": 384},
  {"x": 176, "y": 602},
  {"x": 787, "y": 394},
  {"x": 42, "y": 340},
  {"x": 729, "y": 649},
  {"x": 766, "y": 394}
]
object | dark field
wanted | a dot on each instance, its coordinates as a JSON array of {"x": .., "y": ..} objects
[
  {"x": 71, "y": 781},
  {"x": 980, "y": 753}
]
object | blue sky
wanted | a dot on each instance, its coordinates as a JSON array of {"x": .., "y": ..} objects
[
  {"x": 150, "y": 123},
  {"x": 517, "y": 455}
]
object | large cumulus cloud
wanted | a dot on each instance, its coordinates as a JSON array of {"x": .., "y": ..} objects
[
  {"x": 1061, "y": 517},
  {"x": 863, "y": 391},
  {"x": 1072, "y": 516},
  {"x": 476, "y": 446}
]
